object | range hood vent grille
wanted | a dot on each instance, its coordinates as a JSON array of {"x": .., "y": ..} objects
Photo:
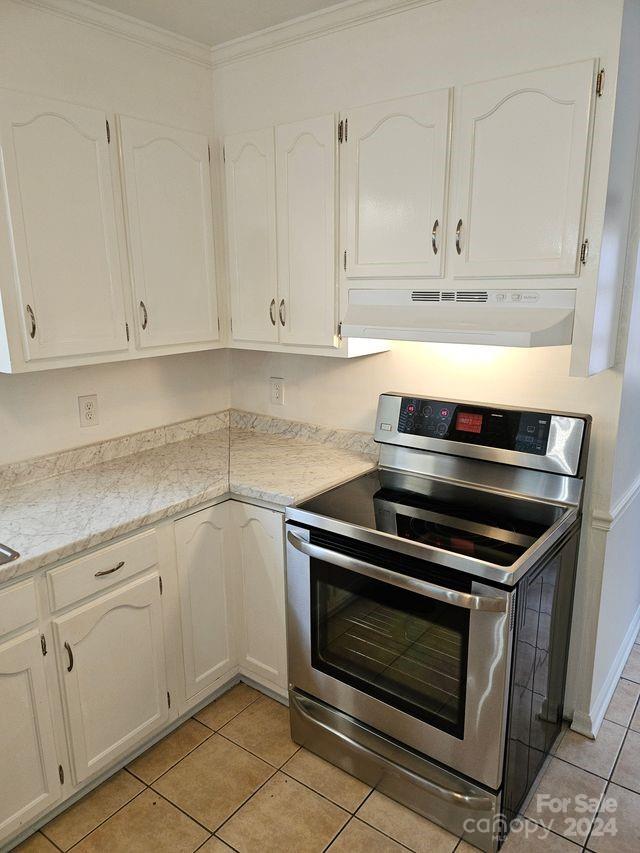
[
  {"x": 467, "y": 296},
  {"x": 472, "y": 296}
]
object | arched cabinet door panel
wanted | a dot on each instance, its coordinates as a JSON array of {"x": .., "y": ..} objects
[
  {"x": 206, "y": 600},
  {"x": 29, "y": 783},
  {"x": 306, "y": 201},
  {"x": 395, "y": 161},
  {"x": 521, "y": 155},
  {"x": 112, "y": 671},
  {"x": 251, "y": 233},
  {"x": 263, "y": 641},
  {"x": 56, "y": 180},
  {"x": 170, "y": 229}
]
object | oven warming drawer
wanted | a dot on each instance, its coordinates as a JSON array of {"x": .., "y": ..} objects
[{"x": 462, "y": 807}]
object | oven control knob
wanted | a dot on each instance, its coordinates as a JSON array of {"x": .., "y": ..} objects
[{"x": 442, "y": 429}]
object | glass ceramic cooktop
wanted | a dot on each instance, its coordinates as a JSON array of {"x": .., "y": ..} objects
[{"x": 483, "y": 525}]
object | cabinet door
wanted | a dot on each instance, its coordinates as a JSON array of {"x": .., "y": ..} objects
[
  {"x": 169, "y": 220},
  {"x": 251, "y": 230},
  {"x": 206, "y": 601},
  {"x": 305, "y": 201},
  {"x": 29, "y": 783},
  {"x": 112, "y": 669},
  {"x": 395, "y": 157},
  {"x": 521, "y": 152},
  {"x": 57, "y": 183},
  {"x": 263, "y": 641}
]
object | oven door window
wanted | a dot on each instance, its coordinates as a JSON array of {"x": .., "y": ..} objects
[{"x": 407, "y": 650}]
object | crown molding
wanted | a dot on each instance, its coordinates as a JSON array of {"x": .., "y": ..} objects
[
  {"x": 124, "y": 26},
  {"x": 339, "y": 17}
]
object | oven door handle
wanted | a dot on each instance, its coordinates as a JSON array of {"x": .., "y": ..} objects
[
  {"x": 469, "y": 801},
  {"x": 489, "y": 603}
]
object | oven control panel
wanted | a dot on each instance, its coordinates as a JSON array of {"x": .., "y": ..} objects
[
  {"x": 525, "y": 432},
  {"x": 526, "y": 438}
]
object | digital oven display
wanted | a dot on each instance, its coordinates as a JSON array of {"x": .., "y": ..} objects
[{"x": 469, "y": 422}]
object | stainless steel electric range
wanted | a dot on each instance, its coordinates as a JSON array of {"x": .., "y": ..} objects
[{"x": 429, "y": 606}]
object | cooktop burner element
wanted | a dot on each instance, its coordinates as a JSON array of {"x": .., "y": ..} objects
[{"x": 455, "y": 519}]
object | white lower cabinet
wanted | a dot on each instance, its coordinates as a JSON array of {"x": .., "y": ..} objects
[
  {"x": 206, "y": 600},
  {"x": 112, "y": 670},
  {"x": 29, "y": 783},
  {"x": 122, "y": 652},
  {"x": 259, "y": 565}
]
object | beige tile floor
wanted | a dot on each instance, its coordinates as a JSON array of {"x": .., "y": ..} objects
[{"x": 231, "y": 778}]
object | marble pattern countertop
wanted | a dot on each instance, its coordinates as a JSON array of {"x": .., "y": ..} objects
[{"x": 56, "y": 517}]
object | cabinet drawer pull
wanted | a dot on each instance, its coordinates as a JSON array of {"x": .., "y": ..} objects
[
  {"x": 434, "y": 237},
  {"x": 32, "y": 320},
  {"x": 272, "y": 312},
  {"x": 145, "y": 316},
  {"x": 458, "y": 232},
  {"x": 109, "y": 571},
  {"x": 282, "y": 312},
  {"x": 70, "y": 653}
]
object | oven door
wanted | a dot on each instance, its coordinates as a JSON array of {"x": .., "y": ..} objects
[{"x": 423, "y": 662}]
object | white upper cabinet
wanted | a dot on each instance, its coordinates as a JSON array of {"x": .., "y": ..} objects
[
  {"x": 306, "y": 223},
  {"x": 520, "y": 153},
  {"x": 58, "y": 190},
  {"x": 251, "y": 231},
  {"x": 168, "y": 205},
  {"x": 395, "y": 165}
]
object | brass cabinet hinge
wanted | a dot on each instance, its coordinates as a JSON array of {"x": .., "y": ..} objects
[
  {"x": 584, "y": 252},
  {"x": 346, "y": 129},
  {"x": 340, "y": 131},
  {"x": 340, "y": 331},
  {"x": 168, "y": 699},
  {"x": 160, "y": 583},
  {"x": 344, "y": 260},
  {"x": 43, "y": 644},
  {"x": 600, "y": 83},
  {"x": 108, "y": 132},
  {"x": 209, "y": 152},
  {"x": 224, "y": 154},
  {"x": 126, "y": 328},
  {"x": 61, "y": 774}
]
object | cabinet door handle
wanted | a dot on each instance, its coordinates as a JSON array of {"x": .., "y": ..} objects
[
  {"x": 272, "y": 312},
  {"x": 434, "y": 237},
  {"x": 282, "y": 312},
  {"x": 109, "y": 571},
  {"x": 145, "y": 315},
  {"x": 32, "y": 320},
  {"x": 458, "y": 232},
  {"x": 70, "y": 653}
]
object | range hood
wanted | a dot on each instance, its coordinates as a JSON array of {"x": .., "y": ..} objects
[{"x": 508, "y": 318}]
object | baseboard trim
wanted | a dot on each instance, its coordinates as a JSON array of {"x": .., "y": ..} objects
[{"x": 589, "y": 724}]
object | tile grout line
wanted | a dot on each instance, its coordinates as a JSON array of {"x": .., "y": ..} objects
[
  {"x": 102, "y": 822},
  {"x": 175, "y": 764}
]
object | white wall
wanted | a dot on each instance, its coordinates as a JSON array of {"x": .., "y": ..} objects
[
  {"x": 39, "y": 411},
  {"x": 53, "y": 55}
]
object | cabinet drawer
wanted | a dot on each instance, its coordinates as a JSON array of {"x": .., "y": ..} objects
[
  {"x": 101, "y": 570},
  {"x": 18, "y": 607}
]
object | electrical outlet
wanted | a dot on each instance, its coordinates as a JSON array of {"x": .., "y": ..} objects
[
  {"x": 277, "y": 391},
  {"x": 88, "y": 409}
]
